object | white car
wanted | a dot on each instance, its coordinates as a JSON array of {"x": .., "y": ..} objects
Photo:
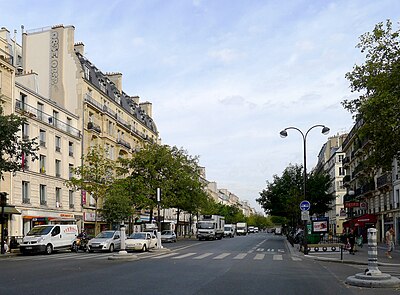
[
  {"x": 108, "y": 240},
  {"x": 142, "y": 241}
]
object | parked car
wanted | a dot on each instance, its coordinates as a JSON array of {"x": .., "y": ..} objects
[
  {"x": 108, "y": 240},
  {"x": 168, "y": 236},
  {"x": 49, "y": 238},
  {"x": 142, "y": 241}
]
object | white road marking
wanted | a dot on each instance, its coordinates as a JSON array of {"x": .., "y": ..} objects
[
  {"x": 222, "y": 256},
  {"x": 277, "y": 257},
  {"x": 184, "y": 256},
  {"x": 259, "y": 257},
  {"x": 203, "y": 256}
]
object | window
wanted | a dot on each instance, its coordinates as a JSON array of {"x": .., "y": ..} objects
[
  {"x": 58, "y": 197},
  {"x": 42, "y": 138},
  {"x": 42, "y": 164},
  {"x": 341, "y": 158},
  {"x": 110, "y": 128},
  {"x": 341, "y": 171},
  {"x": 71, "y": 199},
  {"x": 24, "y": 101},
  {"x": 69, "y": 123},
  {"x": 43, "y": 197},
  {"x": 58, "y": 143},
  {"x": 55, "y": 118},
  {"x": 40, "y": 108},
  {"x": 71, "y": 148},
  {"x": 92, "y": 201},
  {"x": 91, "y": 117},
  {"x": 70, "y": 170},
  {"x": 58, "y": 168},
  {"x": 25, "y": 192},
  {"x": 25, "y": 131}
]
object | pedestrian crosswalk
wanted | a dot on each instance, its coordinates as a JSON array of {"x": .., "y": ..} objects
[
  {"x": 226, "y": 255},
  {"x": 257, "y": 254}
]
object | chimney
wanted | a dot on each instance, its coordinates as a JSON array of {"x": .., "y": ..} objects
[
  {"x": 116, "y": 78},
  {"x": 80, "y": 48},
  {"x": 147, "y": 107},
  {"x": 135, "y": 99}
]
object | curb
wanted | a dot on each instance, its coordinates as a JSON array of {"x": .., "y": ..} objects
[{"x": 345, "y": 261}]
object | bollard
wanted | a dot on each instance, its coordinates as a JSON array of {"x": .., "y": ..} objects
[
  {"x": 341, "y": 252},
  {"x": 372, "y": 253},
  {"x": 373, "y": 277}
]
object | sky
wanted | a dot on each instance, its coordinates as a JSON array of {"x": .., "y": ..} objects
[{"x": 226, "y": 76}]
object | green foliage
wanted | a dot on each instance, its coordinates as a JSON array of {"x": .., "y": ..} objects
[
  {"x": 168, "y": 168},
  {"x": 282, "y": 197},
  {"x": 12, "y": 147},
  {"x": 259, "y": 220},
  {"x": 117, "y": 204},
  {"x": 231, "y": 213},
  {"x": 95, "y": 176},
  {"x": 378, "y": 104}
]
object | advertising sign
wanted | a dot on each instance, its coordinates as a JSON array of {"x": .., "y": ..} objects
[{"x": 320, "y": 225}]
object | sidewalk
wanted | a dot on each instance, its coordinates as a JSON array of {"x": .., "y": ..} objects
[{"x": 360, "y": 257}]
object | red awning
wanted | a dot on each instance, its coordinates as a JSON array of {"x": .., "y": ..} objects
[{"x": 361, "y": 221}]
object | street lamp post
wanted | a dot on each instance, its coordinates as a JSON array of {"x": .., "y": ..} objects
[
  {"x": 3, "y": 203},
  {"x": 283, "y": 134}
]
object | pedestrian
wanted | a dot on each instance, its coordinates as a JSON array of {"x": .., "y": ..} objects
[
  {"x": 5, "y": 247},
  {"x": 351, "y": 239},
  {"x": 389, "y": 238}
]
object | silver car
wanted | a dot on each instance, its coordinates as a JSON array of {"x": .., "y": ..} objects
[
  {"x": 168, "y": 236},
  {"x": 108, "y": 240}
]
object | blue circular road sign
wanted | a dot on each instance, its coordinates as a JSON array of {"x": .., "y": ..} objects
[{"x": 305, "y": 205}]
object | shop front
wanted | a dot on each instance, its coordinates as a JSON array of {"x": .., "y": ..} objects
[{"x": 361, "y": 225}]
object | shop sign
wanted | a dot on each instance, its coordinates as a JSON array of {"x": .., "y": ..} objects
[{"x": 352, "y": 204}]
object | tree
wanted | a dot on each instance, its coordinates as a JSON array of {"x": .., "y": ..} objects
[
  {"x": 282, "y": 197},
  {"x": 95, "y": 176},
  {"x": 117, "y": 204},
  {"x": 378, "y": 106},
  {"x": 172, "y": 170},
  {"x": 14, "y": 150}
]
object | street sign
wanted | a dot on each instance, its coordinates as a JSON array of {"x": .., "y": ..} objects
[
  {"x": 305, "y": 215},
  {"x": 305, "y": 205}
]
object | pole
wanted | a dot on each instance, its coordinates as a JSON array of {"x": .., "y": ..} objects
[
  {"x": 283, "y": 133},
  {"x": 158, "y": 208},
  {"x": 3, "y": 202},
  {"x": 305, "y": 189}
]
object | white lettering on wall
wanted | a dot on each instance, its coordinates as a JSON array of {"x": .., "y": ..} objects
[{"x": 54, "y": 46}]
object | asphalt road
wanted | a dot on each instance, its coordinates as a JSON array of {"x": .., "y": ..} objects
[{"x": 255, "y": 264}]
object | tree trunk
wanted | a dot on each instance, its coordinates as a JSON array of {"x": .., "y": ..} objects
[{"x": 177, "y": 221}]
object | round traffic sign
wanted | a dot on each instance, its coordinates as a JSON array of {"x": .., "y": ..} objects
[{"x": 305, "y": 205}]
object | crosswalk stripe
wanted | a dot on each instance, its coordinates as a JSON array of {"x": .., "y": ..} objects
[
  {"x": 240, "y": 256},
  {"x": 259, "y": 257},
  {"x": 222, "y": 256},
  {"x": 277, "y": 257},
  {"x": 164, "y": 256},
  {"x": 203, "y": 256},
  {"x": 184, "y": 255},
  {"x": 296, "y": 258}
]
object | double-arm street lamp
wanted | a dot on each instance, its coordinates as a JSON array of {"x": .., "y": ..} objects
[{"x": 283, "y": 134}]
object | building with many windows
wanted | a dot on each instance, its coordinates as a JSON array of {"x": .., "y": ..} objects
[{"x": 330, "y": 160}]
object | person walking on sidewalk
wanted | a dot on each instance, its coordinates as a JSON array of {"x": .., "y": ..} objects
[
  {"x": 389, "y": 237},
  {"x": 351, "y": 239}
]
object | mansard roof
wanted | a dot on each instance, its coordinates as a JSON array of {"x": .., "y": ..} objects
[{"x": 104, "y": 84}]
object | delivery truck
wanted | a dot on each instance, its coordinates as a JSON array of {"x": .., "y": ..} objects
[{"x": 210, "y": 227}]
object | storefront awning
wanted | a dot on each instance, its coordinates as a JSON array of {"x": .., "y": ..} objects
[
  {"x": 11, "y": 210},
  {"x": 361, "y": 221}
]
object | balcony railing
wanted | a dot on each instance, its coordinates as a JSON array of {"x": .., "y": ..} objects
[
  {"x": 124, "y": 143},
  {"x": 94, "y": 126},
  {"x": 382, "y": 180},
  {"x": 30, "y": 111}
]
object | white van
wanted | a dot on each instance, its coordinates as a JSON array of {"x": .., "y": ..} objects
[{"x": 48, "y": 238}]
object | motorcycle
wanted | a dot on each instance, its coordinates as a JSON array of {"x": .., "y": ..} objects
[{"x": 80, "y": 243}]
